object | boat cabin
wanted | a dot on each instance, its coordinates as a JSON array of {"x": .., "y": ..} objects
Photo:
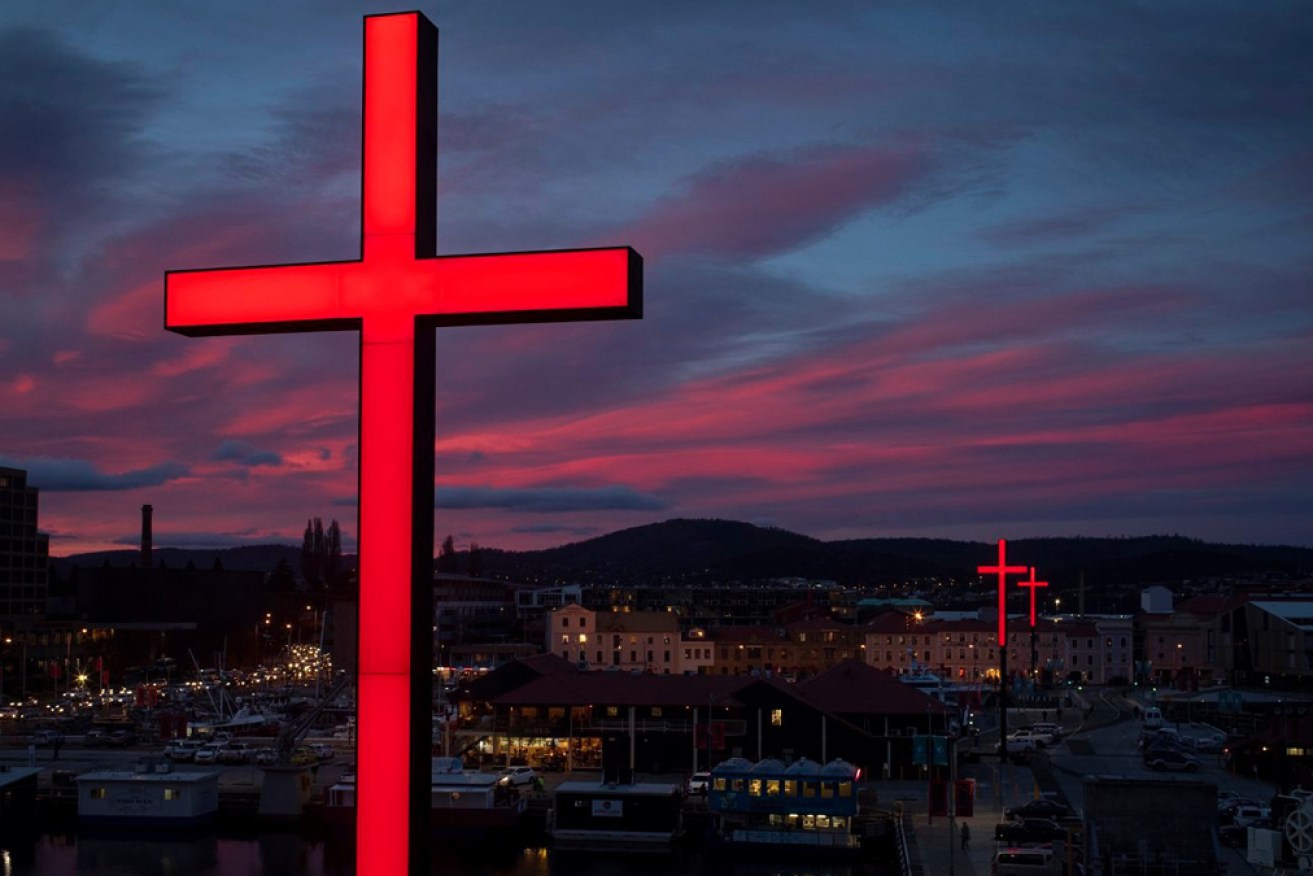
[
  {"x": 149, "y": 795},
  {"x": 640, "y": 817}
]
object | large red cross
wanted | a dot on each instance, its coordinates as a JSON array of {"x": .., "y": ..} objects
[
  {"x": 1033, "y": 586},
  {"x": 396, "y": 293},
  {"x": 1002, "y": 569}
]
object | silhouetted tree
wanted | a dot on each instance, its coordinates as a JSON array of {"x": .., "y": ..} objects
[
  {"x": 321, "y": 554},
  {"x": 282, "y": 579},
  {"x": 476, "y": 560},
  {"x": 447, "y": 555}
]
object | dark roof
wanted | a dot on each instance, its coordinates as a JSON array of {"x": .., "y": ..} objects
[
  {"x": 512, "y": 675},
  {"x": 624, "y": 689},
  {"x": 747, "y": 633},
  {"x": 854, "y": 688},
  {"x": 892, "y": 621},
  {"x": 1207, "y": 604}
]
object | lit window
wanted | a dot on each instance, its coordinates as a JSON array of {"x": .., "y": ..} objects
[
  {"x": 777, "y": 717},
  {"x": 583, "y": 638},
  {"x": 98, "y": 794},
  {"x": 172, "y": 794}
]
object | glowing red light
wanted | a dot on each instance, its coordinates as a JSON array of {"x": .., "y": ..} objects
[
  {"x": 1033, "y": 585},
  {"x": 1002, "y": 569},
  {"x": 395, "y": 294}
]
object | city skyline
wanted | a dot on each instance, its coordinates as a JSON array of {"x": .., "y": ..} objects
[{"x": 970, "y": 273}]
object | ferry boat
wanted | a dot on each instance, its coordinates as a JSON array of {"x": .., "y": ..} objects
[
  {"x": 149, "y": 795},
  {"x": 770, "y": 806},
  {"x": 607, "y": 816},
  {"x": 464, "y": 803}
]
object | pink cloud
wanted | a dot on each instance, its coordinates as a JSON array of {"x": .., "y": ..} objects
[
  {"x": 762, "y": 205},
  {"x": 135, "y": 314}
]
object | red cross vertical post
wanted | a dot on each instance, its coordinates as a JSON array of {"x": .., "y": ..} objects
[
  {"x": 396, "y": 293},
  {"x": 1033, "y": 586},
  {"x": 1002, "y": 570}
]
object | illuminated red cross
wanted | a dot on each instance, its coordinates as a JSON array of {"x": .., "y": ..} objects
[
  {"x": 1002, "y": 569},
  {"x": 1032, "y": 584},
  {"x": 396, "y": 293}
]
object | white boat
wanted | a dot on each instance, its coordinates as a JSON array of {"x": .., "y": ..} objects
[{"x": 148, "y": 795}]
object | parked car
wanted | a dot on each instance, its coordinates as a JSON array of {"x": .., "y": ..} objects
[
  {"x": 517, "y": 775},
  {"x": 1152, "y": 718},
  {"x": 95, "y": 739},
  {"x": 1040, "y": 808},
  {"x": 235, "y": 753},
  {"x": 1022, "y": 741},
  {"x": 1251, "y": 816},
  {"x": 1170, "y": 759},
  {"x": 303, "y": 756},
  {"x": 323, "y": 750},
  {"x": 207, "y": 753},
  {"x": 182, "y": 750},
  {"x": 1034, "y": 861},
  {"x": 1028, "y": 830},
  {"x": 1042, "y": 734},
  {"x": 1053, "y": 731},
  {"x": 698, "y": 784},
  {"x": 122, "y": 738},
  {"x": 265, "y": 756}
]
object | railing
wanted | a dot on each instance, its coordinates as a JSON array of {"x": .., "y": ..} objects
[{"x": 908, "y": 863}]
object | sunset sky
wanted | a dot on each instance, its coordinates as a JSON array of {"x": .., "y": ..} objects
[{"x": 967, "y": 270}]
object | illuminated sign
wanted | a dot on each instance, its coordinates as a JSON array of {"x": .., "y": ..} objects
[
  {"x": 1033, "y": 586},
  {"x": 395, "y": 294},
  {"x": 1002, "y": 569}
]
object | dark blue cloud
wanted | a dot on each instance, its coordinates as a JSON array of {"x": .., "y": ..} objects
[
  {"x": 79, "y": 475},
  {"x": 549, "y": 500},
  {"x": 244, "y": 453}
]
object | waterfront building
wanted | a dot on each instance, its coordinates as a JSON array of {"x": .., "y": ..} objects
[{"x": 548, "y": 713}]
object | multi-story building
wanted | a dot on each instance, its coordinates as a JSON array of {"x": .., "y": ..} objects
[
  {"x": 965, "y": 649},
  {"x": 643, "y": 641},
  {"x": 711, "y": 607},
  {"x": 796, "y": 650},
  {"x": 24, "y": 552}
]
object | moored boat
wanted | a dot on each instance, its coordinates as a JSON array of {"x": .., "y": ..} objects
[
  {"x": 606, "y": 816},
  {"x": 770, "y": 806},
  {"x": 464, "y": 803},
  {"x": 150, "y": 795}
]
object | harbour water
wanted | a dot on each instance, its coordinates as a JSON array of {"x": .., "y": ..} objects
[{"x": 292, "y": 854}]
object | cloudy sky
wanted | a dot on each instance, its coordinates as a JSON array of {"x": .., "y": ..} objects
[{"x": 965, "y": 270}]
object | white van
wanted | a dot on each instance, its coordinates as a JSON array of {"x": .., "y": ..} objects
[
  {"x": 1153, "y": 719},
  {"x": 1024, "y": 862}
]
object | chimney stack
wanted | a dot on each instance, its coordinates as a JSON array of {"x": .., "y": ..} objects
[{"x": 146, "y": 539}]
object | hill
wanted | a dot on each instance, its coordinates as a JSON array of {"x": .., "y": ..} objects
[{"x": 692, "y": 551}]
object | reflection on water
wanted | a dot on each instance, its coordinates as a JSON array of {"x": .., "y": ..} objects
[{"x": 292, "y": 854}]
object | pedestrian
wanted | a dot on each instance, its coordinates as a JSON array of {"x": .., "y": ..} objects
[{"x": 966, "y": 835}]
